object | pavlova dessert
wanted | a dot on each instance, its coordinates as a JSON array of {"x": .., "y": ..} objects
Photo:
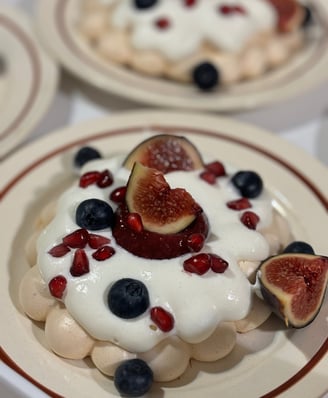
[
  {"x": 208, "y": 43},
  {"x": 158, "y": 257}
]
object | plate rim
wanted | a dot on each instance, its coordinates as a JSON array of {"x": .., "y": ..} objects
[
  {"x": 44, "y": 84},
  {"x": 84, "y": 132}
]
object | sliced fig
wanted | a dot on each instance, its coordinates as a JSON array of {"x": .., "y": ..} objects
[
  {"x": 294, "y": 285},
  {"x": 162, "y": 209},
  {"x": 165, "y": 153},
  {"x": 290, "y": 14}
]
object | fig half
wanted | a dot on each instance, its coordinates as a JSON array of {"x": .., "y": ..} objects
[
  {"x": 162, "y": 209},
  {"x": 290, "y": 14},
  {"x": 294, "y": 286},
  {"x": 165, "y": 153}
]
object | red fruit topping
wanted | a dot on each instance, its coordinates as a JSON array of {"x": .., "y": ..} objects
[
  {"x": 198, "y": 264},
  {"x": 218, "y": 265},
  {"x": 57, "y": 286},
  {"x": 155, "y": 151},
  {"x": 250, "y": 219},
  {"x": 162, "y": 318},
  {"x": 103, "y": 253},
  {"x": 240, "y": 10},
  {"x": 96, "y": 241},
  {"x": 89, "y": 178},
  {"x": 118, "y": 195},
  {"x": 162, "y": 23},
  {"x": 216, "y": 168},
  {"x": 196, "y": 242},
  {"x": 59, "y": 250},
  {"x": 289, "y": 14},
  {"x": 155, "y": 245},
  {"x": 106, "y": 179},
  {"x": 135, "y": 223},
  {"x": 227, "y": 9},
  {"x": 77, "y": 239},
  {"x": 208, "y": 176},
  {"x": 239, "y": 204},
  {"x": 80, "y": 264},
  {"x": 190, "y": 3}
]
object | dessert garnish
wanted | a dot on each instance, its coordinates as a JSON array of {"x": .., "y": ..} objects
[{"x": 294, "y": 285}]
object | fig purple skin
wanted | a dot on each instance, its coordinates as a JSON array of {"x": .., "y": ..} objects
[{"x": 294, "y": 285}]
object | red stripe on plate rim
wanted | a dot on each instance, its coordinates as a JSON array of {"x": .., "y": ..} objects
[{"x": 29, "y": 46}]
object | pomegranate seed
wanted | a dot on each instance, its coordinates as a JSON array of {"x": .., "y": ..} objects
[
  {"x": 103, "y": 253},
  {"x": 77, "y": 239},
  {"x": 226, "y": 9},
  {"x": 239, "y": 9},
  {"x": 162, "y": 318},
  {"x": 80, "y": 264},
  {"x": 59, "y": 250},
  {"x": 250, "y": 219},
  {"x": 198, "y": 264},
  {"x": 135, "y": 223},
  {"x": 106, "y": 179},
  {"x": 239, "y": 204},
  {"x": 190, "y": 3},
  {"x": 216, "y": 168},
  {"x": 57, "y": 286},
  {"x": 218, "y": 265},
  {"x": 162, "y": 23},
  {"x": 89, "y": 178},
  {"x": 96, "y": 241},
  {"x": 118, "y": 195},
  {"x": 208, "y": 176},
  {"x": 195, "y": 242}
]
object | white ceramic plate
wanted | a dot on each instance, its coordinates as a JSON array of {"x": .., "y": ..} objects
[
  {"x": 266, "y": 362},
  {"x": 57, "y": 22},
  {"x": 29, "y": 82}
]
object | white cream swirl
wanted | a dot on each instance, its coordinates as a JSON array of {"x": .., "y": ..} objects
[
  {"x": 190, "y": 27},
  {"x": 197, "y": 303}
]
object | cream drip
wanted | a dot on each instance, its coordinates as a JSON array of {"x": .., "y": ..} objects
[{"x": 198, "y": 303}]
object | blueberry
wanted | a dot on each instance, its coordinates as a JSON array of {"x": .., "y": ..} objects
[
  {"x": 133, "y": 378},
  {"x": 248, "y": 183},
  {"x": 299, "y": 247},
  {"x": 84, "y": 155},
  {"x": 128, "y": 298},
  {"x": 206, "y": 76},
  {"x": 142, "y": 4},
  {"x": 308, "y": 17},
  {"x": 94, "y": 214}
]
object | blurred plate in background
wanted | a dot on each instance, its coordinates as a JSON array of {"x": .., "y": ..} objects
[
  {"x": 28, "y": 78},
  {"x": 57, "y": 22}
]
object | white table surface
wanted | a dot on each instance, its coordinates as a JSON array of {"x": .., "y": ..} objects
[{"x": 302, "y": 121}]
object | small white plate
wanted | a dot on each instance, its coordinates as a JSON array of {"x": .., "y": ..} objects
[
  {"x": 57, "y": 21},
  {"x": 266, "y": 362},
  {"x": 29, "y": 81}
]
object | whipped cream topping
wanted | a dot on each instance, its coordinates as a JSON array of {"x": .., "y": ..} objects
[
  {"x": 197, "y": 303},
  {"x": 177, "y": 30}
]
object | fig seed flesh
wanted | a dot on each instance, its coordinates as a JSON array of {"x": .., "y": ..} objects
[
  {"x": 294, "y": 285},
  {"x": 165, "y": 153},
  {"x": 162, "y": 209}
]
